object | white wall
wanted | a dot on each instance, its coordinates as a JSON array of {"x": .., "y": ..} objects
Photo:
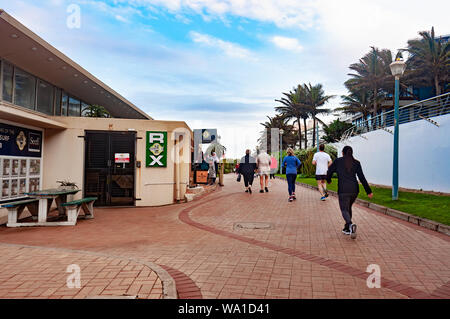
[{"x": 424, "y": 155}]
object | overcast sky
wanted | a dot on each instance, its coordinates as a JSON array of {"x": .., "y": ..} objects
[{"x": 221, "y": 64}]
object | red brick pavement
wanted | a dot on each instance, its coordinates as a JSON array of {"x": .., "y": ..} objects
[{"x": 305, "y": 255}]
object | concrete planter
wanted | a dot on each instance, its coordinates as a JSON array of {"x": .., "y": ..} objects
[{"x": 397, "y": 214}]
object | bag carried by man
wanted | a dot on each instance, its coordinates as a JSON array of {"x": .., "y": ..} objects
[{"x": 238, "y": 178}]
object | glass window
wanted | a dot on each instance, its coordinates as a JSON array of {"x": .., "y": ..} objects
[
  {"x": 45, "y": 97},
  {"x": 74, "y": 107},
  {"x": 84, "y": 108},
  {"x": 58, "y": 101},
  {"x": 64, "y": 104},
  {"x": 7, "y": 81},
  {"x": 25, "y": 86}
]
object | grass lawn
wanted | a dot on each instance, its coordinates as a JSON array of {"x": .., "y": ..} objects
[{"x": 428, "y": 206}]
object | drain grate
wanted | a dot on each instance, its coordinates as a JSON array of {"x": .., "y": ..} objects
[{"x": 253, "y": 225}]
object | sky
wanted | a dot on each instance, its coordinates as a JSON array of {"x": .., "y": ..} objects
[{"x": 222, "y": 63}]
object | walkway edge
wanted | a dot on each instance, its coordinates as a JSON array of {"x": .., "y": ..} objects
[
  {"x": 416, "y": 220},
  {"x": 168, "y": 283}
]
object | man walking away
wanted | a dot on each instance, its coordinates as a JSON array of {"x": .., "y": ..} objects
[
  {"x": 322, "y": 160},
  {"x": 247, "y": 168},
  {"x": 292, "y": 163},
  {"x": 263, "y": 162},
  {"x": 347, "y": 168}
]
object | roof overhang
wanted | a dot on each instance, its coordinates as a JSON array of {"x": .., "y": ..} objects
[{"x": 28, "y": 51}]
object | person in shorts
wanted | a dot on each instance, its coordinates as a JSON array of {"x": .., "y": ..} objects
[
  {"x": 263, "y": 162},
  {"x": 322, "y": 160}
]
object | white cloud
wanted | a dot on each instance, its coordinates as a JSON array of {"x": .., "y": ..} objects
[
  {"x": 229, "y": 48},
  {"x": 290, "y": 44}
]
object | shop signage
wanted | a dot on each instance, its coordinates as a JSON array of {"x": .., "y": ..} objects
[
  {"x": 156, "y": 145},
  {"x": 19, "y": 141},
  {"x": 122, "y": 157}
]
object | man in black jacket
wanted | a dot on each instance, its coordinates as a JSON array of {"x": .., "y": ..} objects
[
  {"x": 347, "y": 168},
  {"x": 247, "y": 168}
]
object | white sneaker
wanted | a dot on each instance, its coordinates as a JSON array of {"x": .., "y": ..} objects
[{"x": 352, "y": 231}]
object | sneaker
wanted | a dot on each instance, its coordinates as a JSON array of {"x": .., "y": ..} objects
[
  {"x": 291, "y": 198},
  {"x": 246, "y": 190},
  {"x": 322, "y": 198},
  {"x": 352, "y": 231},
  {"x": 326, "y": 193},
  {"x": 250, "y": 190},
  {"x": 267, "y": 190},
  {"x": 346, "y": 231},
  {"x": 261, "y": 191}
]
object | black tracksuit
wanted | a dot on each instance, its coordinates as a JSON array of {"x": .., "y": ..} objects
[
  {"x": 247, "y": 168},
  {"x": 348, "y": 187}
]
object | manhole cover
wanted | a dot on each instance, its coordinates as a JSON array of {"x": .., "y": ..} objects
[{"x": 253, "y": 225}]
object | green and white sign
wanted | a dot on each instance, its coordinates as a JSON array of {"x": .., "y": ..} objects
[{"x": 156, "y": 149}]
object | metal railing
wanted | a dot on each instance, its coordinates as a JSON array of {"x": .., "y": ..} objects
[{"x": 422, "y": 110}]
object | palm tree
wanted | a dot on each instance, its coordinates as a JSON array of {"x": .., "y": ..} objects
[
  {"x": 280, "y": 122},
  {"x": 294, "y": 108},
  {"x": 429, "y": 61},
  {"x": 315, "y": 98},
  {"x": 372, "y": 72},
  {"x": 357, "y": 102},
  {"x": 95, "y": 111}
]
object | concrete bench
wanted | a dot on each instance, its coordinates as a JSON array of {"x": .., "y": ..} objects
[
  {"x": 15, "y": 209},
  {"x": 73, "y": 209}
]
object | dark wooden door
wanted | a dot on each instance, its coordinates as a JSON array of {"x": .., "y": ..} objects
[{"x": 112, "y": 183}]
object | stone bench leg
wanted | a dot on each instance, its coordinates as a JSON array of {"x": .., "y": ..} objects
[
  {"x": 72, "y": 213},
  {"x": 88, "y": 209},
  {"x": 13, "y": 214}
]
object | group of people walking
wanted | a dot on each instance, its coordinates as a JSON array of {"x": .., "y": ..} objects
[{"x": 346, "y": 167}]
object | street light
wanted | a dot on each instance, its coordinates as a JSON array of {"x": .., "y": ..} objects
[
  {"x": 281, "y": 149},
  {"x": 397, "y": 69}
]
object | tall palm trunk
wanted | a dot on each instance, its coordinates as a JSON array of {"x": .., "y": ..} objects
[
  {"x": 306, "y": 133},
  {"x": 299, "y": 133},
  {"x": 375, "y": 106},
  {"x": 314, "y": 131},
  {"x": 436, "y": 85}
]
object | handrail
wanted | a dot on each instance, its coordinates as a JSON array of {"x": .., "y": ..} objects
[{"x": 425, "y": 109}]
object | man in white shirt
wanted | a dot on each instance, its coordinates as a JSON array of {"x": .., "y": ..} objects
[
  {"x": 322, "y": 160},
  {"x": 263, "y": 161}
]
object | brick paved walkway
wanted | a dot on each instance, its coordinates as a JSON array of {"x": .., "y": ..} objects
[{"x": 304, "y": 255}]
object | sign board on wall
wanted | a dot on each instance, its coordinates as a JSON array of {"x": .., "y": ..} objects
[
  {"x": 122, "y": 157},
  {"x": 156, "y": 145},
  {"x": 19, "y": 141}
]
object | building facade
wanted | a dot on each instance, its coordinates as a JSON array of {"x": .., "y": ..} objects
[{"x": 127, "y": 159}]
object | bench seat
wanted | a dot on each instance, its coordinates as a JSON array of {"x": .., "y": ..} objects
[
  {"x": 16, "y": 208},
  {"x": 73, "y": 208}
]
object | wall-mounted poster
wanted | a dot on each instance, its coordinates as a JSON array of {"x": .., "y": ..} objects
[
  {"x": 23, "y": 167},
  {"x": 22, "y": 186},
  {"x": 6, "y": 167},
  {"x": 14, "y": 187},
  {"x": 20, "y": 141},
  {"x": 35, "y": 167},
  {"x": 5, "y": 188},
  {"x": 34, "y": 184},
  {"x": 15, "y": 167}
]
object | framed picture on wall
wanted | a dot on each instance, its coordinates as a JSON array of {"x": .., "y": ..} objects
[
  {"x": 15, "y": 167},
  {"x": 14, "y": 187},
  {"x": 5, "y": 188},
  {"x": 23, "y": 168},
  {"x": 6, "y": 171},
  {"x": 22, "y": 186}
]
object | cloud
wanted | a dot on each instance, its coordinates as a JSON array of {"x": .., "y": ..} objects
[
  {"x": 229, "y": 48},
  {"x": 290, "y": 44}
]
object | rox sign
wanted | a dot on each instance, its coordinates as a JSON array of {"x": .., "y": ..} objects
[{"x": 156, "y": 145}]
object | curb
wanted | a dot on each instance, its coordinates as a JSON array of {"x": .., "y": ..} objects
[{"x": 416, "y": 220}]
